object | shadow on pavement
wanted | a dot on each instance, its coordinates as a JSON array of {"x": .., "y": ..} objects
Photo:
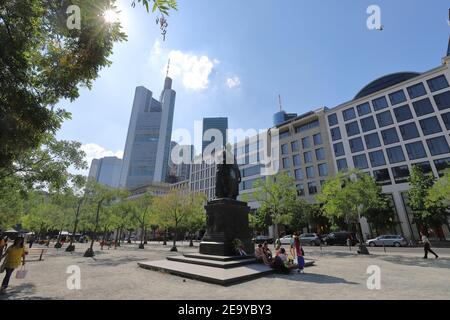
[
  {"x": 24, "y": 291},
  {"x": 418, "y": 261},
  {"x": 312, "y": 277}
]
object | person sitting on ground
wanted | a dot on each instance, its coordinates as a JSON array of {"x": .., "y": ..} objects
[
  {"x": 267, "y": 251},
  {"x": 261, "y": 256},
  {"x": 241, "y": 251},
  {"x": 279, "y": 265},
  {"x": 284, "y": 257}
]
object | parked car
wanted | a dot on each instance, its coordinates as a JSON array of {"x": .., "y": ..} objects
[
  {"x": 340, "y": 238},
  {"x": 388, "y": 240},
  {"x": 262, "y": 239},
  {"x": 311, "y": 239},
  {"x": 286, "y": 240}
]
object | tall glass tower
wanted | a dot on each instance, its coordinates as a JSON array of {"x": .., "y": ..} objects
[
  {"x": 147, "y": 147},
  {"x": 220, "y": 124}
]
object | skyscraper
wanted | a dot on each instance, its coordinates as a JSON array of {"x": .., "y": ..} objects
[
  {"x": 147, "y": 147},
  {"x": 106, "y": 171},
  {"x": 220, "y": 124}
]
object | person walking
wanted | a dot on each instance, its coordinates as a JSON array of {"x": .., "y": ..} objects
[
  {"x": 300, "y": 253},
  {"x": 427, "y": 246},
  {"x": 13, "y": 255}
]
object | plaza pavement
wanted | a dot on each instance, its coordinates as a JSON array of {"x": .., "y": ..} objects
[{"x": 338, "y": 274}]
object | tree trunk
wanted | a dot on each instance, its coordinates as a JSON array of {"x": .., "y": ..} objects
[
  {"x": 362, "y": 246},
  {"x": 90, "y": 251},
  {"x": 174, "y": 247},
  {"x": 71, "y": 246},
  {"x": 117, "y": 237},
  {"x": 141, "y": 245}
]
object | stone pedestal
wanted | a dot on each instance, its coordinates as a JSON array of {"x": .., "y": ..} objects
[{"x": 226, "y": 220}]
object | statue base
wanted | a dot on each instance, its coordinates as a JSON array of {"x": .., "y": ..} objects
[{"x": 227, "y": 220}]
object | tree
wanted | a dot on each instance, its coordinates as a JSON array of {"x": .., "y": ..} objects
[
  {"x": 440, "y": 192},
  {"x": 174, "y": 210},
  {"x": 382, "y": 218},
  {"x": 426, "y": 213},
  {"x": 142, "y": 210},
  {"x": 278, "y": 199},
  {"x": 98, "y": 197},
  {"x": 196, "y": 219},
  {"x": 349, "y": 195}
]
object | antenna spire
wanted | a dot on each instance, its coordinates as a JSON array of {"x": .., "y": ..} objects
[
  {"x": 279, "y": 100},
  {"x": 168, "y": 68}
]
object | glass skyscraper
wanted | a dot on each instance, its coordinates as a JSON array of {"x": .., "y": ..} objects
[
  {"x": 147, "y": 147},
  {"x": 220, "y": 124}
]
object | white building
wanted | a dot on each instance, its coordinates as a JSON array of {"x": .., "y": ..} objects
[{"x": 393, "y": 123}]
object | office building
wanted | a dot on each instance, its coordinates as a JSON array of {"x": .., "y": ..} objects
[
  {"x": 148, "y": 144},
  {"x": 395, "y": 122},
  {"x": 214, "y": 126},
  {"x": 106, "y": 171}
]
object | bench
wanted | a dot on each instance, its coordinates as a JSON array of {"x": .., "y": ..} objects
[{"x": 36, "y": 254}]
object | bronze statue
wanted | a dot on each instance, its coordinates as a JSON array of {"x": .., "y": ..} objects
[{"x": 228, "y": 178}]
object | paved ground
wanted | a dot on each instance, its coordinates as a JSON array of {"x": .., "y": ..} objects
[{"x": 338, "y": 274}]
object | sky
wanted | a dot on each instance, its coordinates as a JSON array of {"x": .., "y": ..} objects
[{"x": 232, "y": 58}]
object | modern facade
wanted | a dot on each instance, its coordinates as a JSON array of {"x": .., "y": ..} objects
[
  {"x": 281, "y": 117},
  {"x": 396, "y": 122},
  {"x": 209, "y": 124},
  {"x": 106, "y": 171},
  {"x": 148, "y": 144}
]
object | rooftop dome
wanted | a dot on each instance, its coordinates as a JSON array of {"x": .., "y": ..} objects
[{"x": 385, "y": 82}]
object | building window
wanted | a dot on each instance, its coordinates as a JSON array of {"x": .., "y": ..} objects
[
  {"x": 300, "y": 190},
  {"x": 356, "y": 145},
  {"x": 363, "y": 109},
  {"x": 342, "y": 164},
  {"x": 377, "y": 158},
  {"x": 349, "y": 114},
  {"x": 298, "y": 174},
  {"x": 295, "y": 146},
  {"x": 430, "y": 126},
  {"x": 438, "y": 146},
  {"x": 367, "y": 124},
  {"x": 312, "y": 188},
  {"x": 352, "y": 128},
  {"x": 308, "y": 157},
  {"x": 443, "y": 100},
  {"x": 401, "y": 174},
  {"x": 437, "y": 83},
  {"x": 409, "y": 131},
  {"x": 297, "y": 161},
  {"x": 395, "y": 154},
  {"x": 423, "y": 107},
  {"x": 360, "y": 161},
  {"x": 320, "y": 154},
  {"x": 284, "y": 149},
  {"x": 286, "y": 163},
  {"x": 338, "y": 149},
  {"x": 306, "y": 143},
  {"x": 417, "y": 90},
  {"x": 389, "y": 136},
  {"x": 317, "y": 138},
  {"x": 332, "y": 120},
  {"x": 379, "y": 103},
  {"x": 323, "y": 170},
  {"x": 310, "y": 172},
  {"x": 284, "y": 135},
  {"x": 424, "y": 166},
  {"x": 403, "y": 113},
  {"x": 335, "y": 134},
  {"x": 372, "y": 140},
  {"x": 382, "y": 177},
  {"x": 446, "y": 119},
  {"x": 384, "y": 119},
  {"x": 397, "y": 97},
  {"x": 251, "y": 171},
  {"x": 415, "y": 150},
  {"x": 441, "y": 165},
  {"x": 307, "y": 126}
]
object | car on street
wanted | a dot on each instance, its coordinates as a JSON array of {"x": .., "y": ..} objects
[
  {"x": 286, "y": 240},
  {"x": 340, "y": 238},
  {"x": 311, "y": 239},
  {"x": 388, "y": 241},
  {"x": 262, "y": 239}
]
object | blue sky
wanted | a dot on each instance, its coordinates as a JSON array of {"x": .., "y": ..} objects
[{"x": 232, "y": 58}]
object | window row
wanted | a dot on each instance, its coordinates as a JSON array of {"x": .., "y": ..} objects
[
  {"x": 307, "y": 158},
  {"x": 414, "y": 91},
  {"x": 306, "y": 144}
]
